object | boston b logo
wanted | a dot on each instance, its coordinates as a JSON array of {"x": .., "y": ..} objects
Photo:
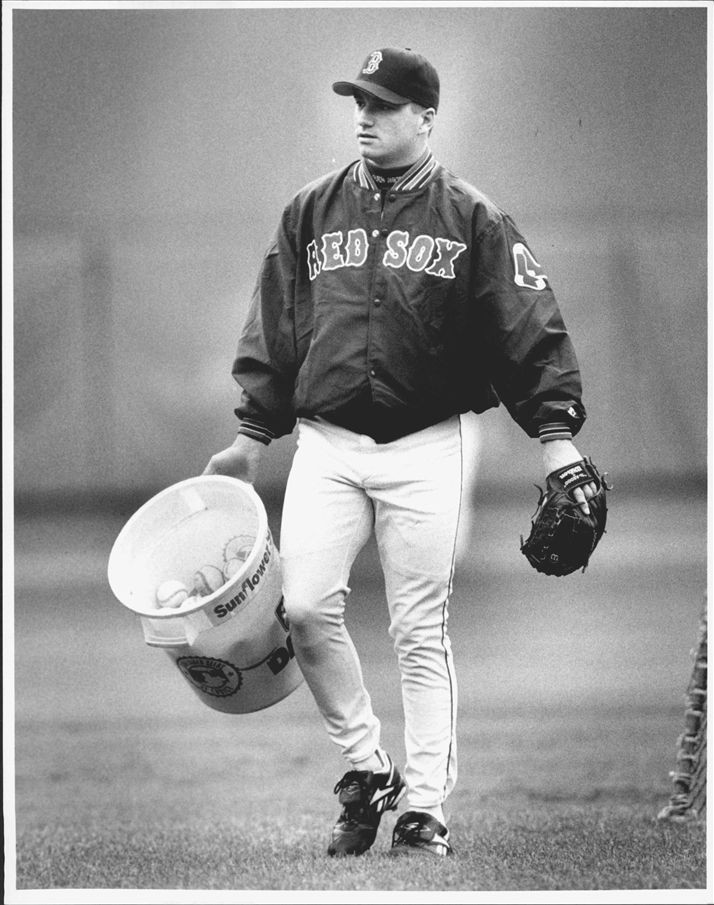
[{"x": 373, "y": 63}]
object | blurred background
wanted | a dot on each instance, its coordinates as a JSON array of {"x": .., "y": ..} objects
[{"x": 154, "y": 149}]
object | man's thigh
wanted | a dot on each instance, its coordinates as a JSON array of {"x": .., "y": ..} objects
[
  {"x": 327, "y": 516},
  {"x": 417, "y": 502}
]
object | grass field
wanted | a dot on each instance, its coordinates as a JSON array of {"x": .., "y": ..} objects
[{"x": 571, "y": 700}]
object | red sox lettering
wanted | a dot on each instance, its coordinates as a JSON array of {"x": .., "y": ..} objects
[{"x": 433, "y": 255}]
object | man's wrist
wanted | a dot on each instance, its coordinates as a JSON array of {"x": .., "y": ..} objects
[
  {"x": 256, "y": 430},
  {"x": 556, "y": 430}
]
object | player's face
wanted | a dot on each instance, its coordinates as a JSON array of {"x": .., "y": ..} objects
[{"x": 388, "y": 136}]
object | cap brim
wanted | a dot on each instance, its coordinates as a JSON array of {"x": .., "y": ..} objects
[{"x": 347, "y": 89}]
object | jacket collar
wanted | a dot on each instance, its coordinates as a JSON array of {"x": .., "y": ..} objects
[{"x": 416, "y": 177}]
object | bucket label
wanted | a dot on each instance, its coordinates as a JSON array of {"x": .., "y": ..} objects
[
  {"x": 221, "y": 678},
  {"x": 249, "y": 586},
  {"x": 212, "y": 676}
]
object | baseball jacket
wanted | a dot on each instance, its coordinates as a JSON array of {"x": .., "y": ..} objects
[{"x": 413, "y": 306}]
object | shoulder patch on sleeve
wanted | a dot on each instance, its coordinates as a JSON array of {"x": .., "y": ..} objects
[{"x": 527, "y": 271}]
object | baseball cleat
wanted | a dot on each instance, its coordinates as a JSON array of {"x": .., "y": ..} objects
[
  {"x": 364, "y": 796},
  {"x": 416, "y": 833}
]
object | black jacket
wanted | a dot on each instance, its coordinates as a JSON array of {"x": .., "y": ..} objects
[{"x": 416, "y": 306}]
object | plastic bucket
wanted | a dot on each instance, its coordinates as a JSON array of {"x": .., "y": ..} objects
[{"x": 232, "y": 644}]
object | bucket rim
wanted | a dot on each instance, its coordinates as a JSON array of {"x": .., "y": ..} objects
[{"x": 199, "y": 480}]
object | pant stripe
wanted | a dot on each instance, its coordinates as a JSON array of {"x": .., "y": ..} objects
[{"x": 450, "y": 780}]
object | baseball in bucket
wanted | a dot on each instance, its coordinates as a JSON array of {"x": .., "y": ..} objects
[{"x": 197, "y": 563}]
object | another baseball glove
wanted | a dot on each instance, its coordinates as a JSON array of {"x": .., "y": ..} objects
[{"x": 563, "y": 537}]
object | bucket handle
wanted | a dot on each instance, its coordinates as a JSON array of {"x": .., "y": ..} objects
[{"x": 192, "y": 625}]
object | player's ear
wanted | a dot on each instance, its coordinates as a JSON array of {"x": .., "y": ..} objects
[{"x": 428, "y": 115}]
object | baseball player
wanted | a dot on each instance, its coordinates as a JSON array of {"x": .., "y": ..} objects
[{"x": 393, "y": 298}]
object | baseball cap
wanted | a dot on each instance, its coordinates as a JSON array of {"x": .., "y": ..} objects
[{"x": 395, "y": 75}]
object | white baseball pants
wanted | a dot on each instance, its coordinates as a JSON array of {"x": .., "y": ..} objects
[{"x": 341, "y": 487}]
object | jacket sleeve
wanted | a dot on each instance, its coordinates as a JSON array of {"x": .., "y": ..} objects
[
  {"x": 531, "y": 358},
  {"x": 265, "y": 364}
]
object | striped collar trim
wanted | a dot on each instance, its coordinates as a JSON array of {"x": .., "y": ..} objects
[{"x": 415, "y": 178}]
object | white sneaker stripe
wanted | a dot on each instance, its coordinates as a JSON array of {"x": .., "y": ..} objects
[{"x": 382, "y": 793}]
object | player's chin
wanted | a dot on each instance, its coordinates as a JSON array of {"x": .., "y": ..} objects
[{"x": 368, "y": 150}]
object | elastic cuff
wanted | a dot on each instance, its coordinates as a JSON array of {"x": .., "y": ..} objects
[
  {"x": 256, "y": 430},
  {"x": 555, "y": 431}
]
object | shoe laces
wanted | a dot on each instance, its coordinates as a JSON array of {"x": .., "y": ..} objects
[
  {"x": 355, "y": 795},
  {"x": 409, "y": 833},
  {"x": 355, "y": 800},
  {"x": 413, "y": 829},
  {"x": 353, "y": 781}
]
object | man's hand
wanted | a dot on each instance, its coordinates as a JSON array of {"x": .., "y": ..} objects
[
  {"x": 240, "y": 460},
  {"x": 563, "y": 536},
  {"x": 559, "y": 453}
]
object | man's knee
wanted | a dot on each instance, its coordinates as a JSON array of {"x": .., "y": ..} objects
[
  {"x": 417, "y": 633},
  {"x": 300, "y": 612},
  {"x": 312, "y": 612}
]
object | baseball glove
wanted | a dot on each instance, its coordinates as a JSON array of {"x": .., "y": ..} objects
[{"x": 562, "y": 537}]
